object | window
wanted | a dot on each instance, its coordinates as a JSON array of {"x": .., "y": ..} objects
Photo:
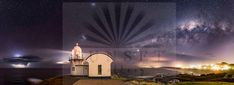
[
  {"x": 73, "y": 68},
  {"x": 99, "y": 69}
]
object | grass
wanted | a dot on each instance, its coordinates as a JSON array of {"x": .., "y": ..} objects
[
  {"x": 205, "y": 83},
  {"x": 59, "y": 80},
  {"x": 183, "y": 83},
  {"x": 68, "y": 80},
  {"x": 99, "y": 82}
]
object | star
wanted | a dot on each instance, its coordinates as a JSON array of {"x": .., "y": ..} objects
[{"x": 84, "y": 37}]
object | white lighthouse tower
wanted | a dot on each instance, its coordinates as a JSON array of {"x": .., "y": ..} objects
[{"x": 78, "y": 68}]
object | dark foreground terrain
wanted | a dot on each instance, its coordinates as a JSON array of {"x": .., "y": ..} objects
[{"x": 20, "y": 76}]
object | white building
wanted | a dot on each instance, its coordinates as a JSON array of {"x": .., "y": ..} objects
[{"x": 95, "y": 65}]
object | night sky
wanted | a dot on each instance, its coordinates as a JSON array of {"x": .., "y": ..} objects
[
  {"x": 203, "y": 28},
  {"x": 30, "y": 25}
]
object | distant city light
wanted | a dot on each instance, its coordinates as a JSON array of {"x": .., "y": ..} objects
[
  {"x": 215, "y": 67},
  {"x": 179, "y": 66},
  {"x": 19, "y": 65},
  {"x": 62, "y": 62},
  {"x": 93, "y": 4},
  {"x": 17, "y": 55},
  {"x": 34, "y": 80},
  {"x": 195, "y": 66},
  {"x": 148, "y": 65}
]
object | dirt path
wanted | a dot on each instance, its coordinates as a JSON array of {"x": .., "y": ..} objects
[{"x": 99, "y": 82}]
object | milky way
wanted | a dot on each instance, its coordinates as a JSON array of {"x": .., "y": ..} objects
[{"x": 192, "y": 30}]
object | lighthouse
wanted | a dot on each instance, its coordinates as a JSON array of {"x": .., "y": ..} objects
[
  {"x": 78, "y": 65},
  {"x": 94, "y": 65}
]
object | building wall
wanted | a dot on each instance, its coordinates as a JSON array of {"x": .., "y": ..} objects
[
  {"x": 99, "y": 59},
  {"x": 78, "y": 69}
]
